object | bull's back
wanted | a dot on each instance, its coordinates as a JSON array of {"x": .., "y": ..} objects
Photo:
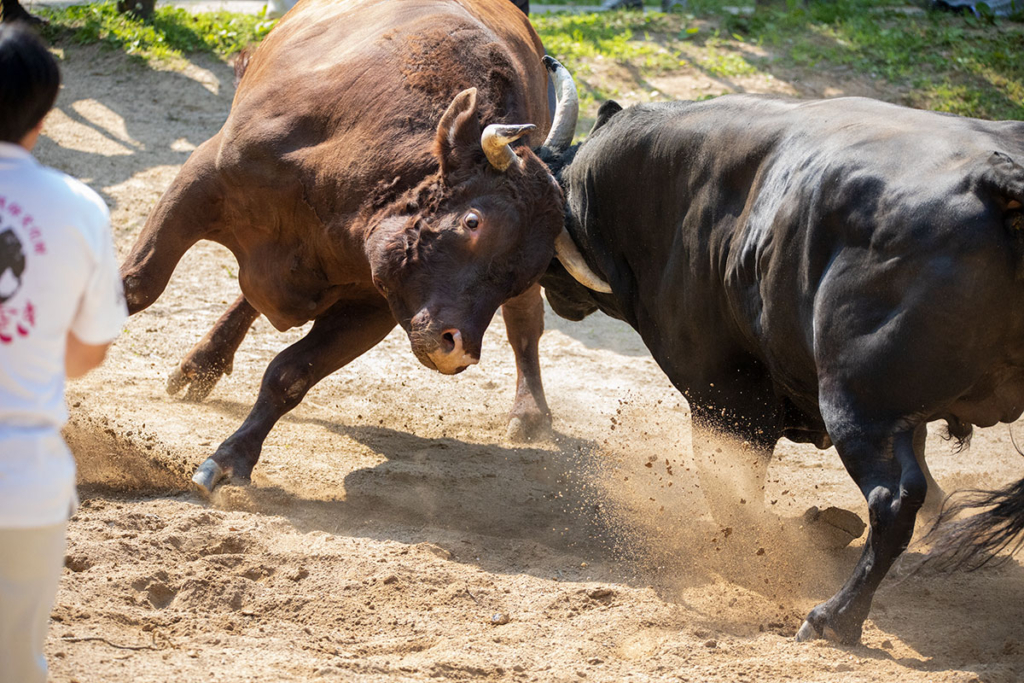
[
  {"x": 864, "y": 199},
  {"x": 729, "y": 214},
  {"x": 361, "y": 85}
]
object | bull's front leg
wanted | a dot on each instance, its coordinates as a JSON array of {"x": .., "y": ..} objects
[
  {"x": 933, "y": 503},
  {"x": 732, "y": 466},
  {"x": 213, "y": 356},
  {"x": 338, "y": 337},
  {"x": 530, "y": 417},
  {"x": 736, "y": 422},
  {"x": 884, "y": 466},
  {"x": 190, "y": 210}
]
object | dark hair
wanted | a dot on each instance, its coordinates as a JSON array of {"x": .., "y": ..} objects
[{"x": 29, "y": 81}]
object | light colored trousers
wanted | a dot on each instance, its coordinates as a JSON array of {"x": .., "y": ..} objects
[{"x": 31, "y": 563}]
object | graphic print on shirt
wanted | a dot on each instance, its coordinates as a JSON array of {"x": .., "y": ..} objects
[
  {"x": 17, "y": 313},
  {"x": 12, "y": 264}
]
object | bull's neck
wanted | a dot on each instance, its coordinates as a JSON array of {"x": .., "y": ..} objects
[{"x": 569, "y": 298}]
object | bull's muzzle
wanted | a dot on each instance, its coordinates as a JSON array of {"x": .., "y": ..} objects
[{"x": 450, "y": 357}]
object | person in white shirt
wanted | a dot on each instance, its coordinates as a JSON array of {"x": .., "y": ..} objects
[{"x": 61, "y": 305}]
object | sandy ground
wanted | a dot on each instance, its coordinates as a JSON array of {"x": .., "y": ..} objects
[{"x": 392, "y": 534}]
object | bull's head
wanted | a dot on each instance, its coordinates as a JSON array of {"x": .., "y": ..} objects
[{"x": 466, "y": 240}]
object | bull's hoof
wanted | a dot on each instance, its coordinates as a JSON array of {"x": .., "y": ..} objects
[
  {"x": 207, "y": 476},
  {"x": 841, "y": 628},
  {"x": 807, "y": 633},
  {"x": 528, "y": 428},
  {"x": 199, "y": 382},
  {"x": 176, "y": 381},
  {"x": 832, "y": 528}
]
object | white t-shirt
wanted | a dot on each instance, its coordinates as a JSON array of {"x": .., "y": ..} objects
[{"x": 58, "y": 273}]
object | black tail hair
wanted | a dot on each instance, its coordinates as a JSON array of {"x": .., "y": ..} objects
[{"x": 971, "y": 543}]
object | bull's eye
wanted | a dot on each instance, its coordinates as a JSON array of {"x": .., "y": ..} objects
[
  {"x": 380, "y": 286},
  {"x": 471, "y": 220}
]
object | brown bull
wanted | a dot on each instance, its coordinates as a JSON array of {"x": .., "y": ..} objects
[{"x": 357, "y": 186}]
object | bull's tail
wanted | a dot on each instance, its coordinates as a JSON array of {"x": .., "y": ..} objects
[{"x": 972, "y": 542}]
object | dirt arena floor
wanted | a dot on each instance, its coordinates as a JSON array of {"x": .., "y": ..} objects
[{"x": 392, "y": 534}]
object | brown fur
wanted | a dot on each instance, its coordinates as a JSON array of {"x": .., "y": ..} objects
[{"x": 332, "y": 183}]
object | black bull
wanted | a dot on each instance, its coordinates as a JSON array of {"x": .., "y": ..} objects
[{"x": 840, "y": 271}]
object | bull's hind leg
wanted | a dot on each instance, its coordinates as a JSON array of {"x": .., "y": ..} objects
[
  {"x": 339, "y": 336},
  {"x": 884, "y": 466},
  {"x": 530, "y": 417},
  {"x": 214, "y": 354},
  {"x": 190, "y": 210}
]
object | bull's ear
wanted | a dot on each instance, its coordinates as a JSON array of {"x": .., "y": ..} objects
[
  {"x": 458, "y": 134},
  {"x": 605, "y": 114},
  {"x": 1006, "y": 178}
]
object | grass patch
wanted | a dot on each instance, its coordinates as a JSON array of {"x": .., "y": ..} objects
[
  {"x": 947, "y": 62},
  {"x": 593, "y": 45},
  {"x": 581, "y": 3},
  {"x": 170, "y": 34}
]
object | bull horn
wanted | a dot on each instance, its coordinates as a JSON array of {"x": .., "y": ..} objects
[
  {"x": 496, "y": 141},
  {"x": 567, "y": 107},
  {"x": 569, "y": 254}
]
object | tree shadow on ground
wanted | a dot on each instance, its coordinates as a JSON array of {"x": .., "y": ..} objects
[
  {"x": 556, "y": 497},
  {"x": 850, "y": 49},
  {"x": 114, "y": 139},
  {"x": 543, "y": 510}
]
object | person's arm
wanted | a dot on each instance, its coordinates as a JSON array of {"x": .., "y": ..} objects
[
  {"x": 80, "y": 358},
  {"x": 101, "y": 309}
]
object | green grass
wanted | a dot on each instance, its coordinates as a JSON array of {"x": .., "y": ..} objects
[
  {"x": 946, "y": 62},
  {"x": 939, "y": 61},
  {"x": 170, "y": 34},
  {"x": 582, "y": 3},
  {"x": 586, "y": 43}
]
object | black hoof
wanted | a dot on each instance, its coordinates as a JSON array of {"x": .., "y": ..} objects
[
  {"x": 207, "y": 476},
  {"x": 823, "y": 630},
  {"x": 807, "y": 633}
]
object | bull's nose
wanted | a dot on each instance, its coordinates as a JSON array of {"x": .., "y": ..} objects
[{"x": 450, "y": 357}]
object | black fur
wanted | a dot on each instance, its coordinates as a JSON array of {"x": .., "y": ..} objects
[
  {"x": 794, "y": 268},
  {"x": 980, "y": 539}
]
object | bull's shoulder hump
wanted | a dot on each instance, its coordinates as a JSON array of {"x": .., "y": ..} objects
[
  {"x": 331, "y": 68},
  {"x": 368, "y": 44}
]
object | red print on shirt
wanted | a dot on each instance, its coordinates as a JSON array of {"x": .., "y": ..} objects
[
  {"x": 16, "y": 321},
  {"x": 32, "y": 231},
  {"x": 18, "y": 234}
]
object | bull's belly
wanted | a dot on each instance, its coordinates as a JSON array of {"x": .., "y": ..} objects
[
  {"x": 288, "y": 303},
  {"x": 802, "y": 422},
  {"x": 990, "y": 404}
]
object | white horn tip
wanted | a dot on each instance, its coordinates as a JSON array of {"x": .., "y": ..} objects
[{"x": 569, "y": 254}]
